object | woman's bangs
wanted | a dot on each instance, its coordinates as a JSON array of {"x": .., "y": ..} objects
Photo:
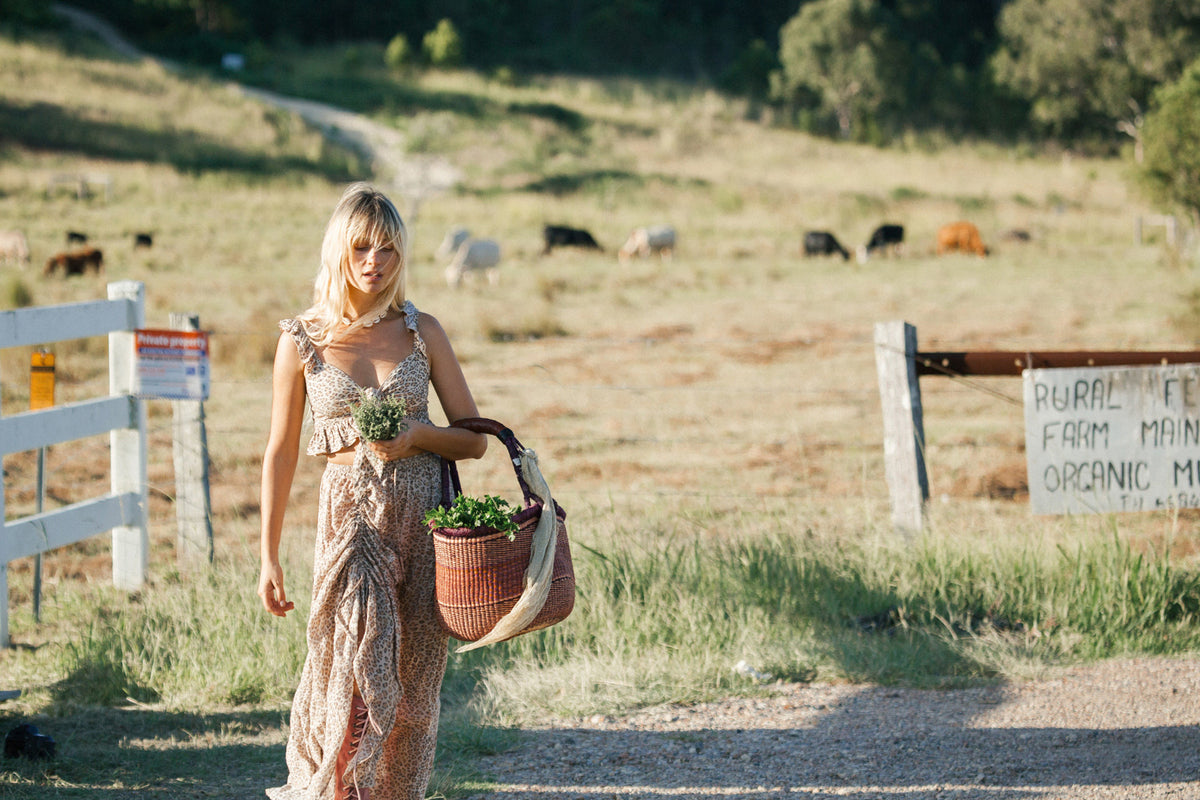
[{"x": 368, "y": 232}]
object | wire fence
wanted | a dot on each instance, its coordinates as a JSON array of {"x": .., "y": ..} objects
[{"x": 803, "y": 395}]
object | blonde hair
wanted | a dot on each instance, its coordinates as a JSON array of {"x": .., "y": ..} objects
[{"x": 363, "y": 215}]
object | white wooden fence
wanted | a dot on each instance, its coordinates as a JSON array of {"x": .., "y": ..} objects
[{"x": 124, "y": 509}]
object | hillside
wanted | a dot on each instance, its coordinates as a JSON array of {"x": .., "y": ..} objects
[{"x": 754, "y": 347}]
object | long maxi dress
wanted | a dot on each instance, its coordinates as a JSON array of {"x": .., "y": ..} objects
[{"x": 373, "y": 624}]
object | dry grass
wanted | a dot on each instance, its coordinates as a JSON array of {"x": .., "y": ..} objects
[{"x": 735, "y": 375}]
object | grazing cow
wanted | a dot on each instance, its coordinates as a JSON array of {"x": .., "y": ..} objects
[
  {"x": 474, "y": 255},
  {"x": 960, "y": 237},
  {"x": 645, "y": 242},
  {"x": 14, "y": 247},
  {"x": 823, "y": 243},
  {"x": 451, "y": 242},
  {"x": 143, "y": 240},
  {"x": 75, "y": 237},
  {"x": 887, "y": 239},
  {"x": 76, "y": 262},
  {"x": 1015, "y": 235},
  {"x": 562, "y": 236}
]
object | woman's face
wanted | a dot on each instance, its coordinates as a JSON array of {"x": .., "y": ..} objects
[{"x": 372, "y": 265}]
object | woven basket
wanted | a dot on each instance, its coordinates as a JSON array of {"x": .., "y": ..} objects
[{"x": 480, "y": 573}]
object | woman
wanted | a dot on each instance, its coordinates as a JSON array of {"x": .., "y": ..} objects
[{"x": 364, "y": 717}]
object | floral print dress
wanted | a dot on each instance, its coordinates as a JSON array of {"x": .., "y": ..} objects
[{"x": 373, "y": 626}]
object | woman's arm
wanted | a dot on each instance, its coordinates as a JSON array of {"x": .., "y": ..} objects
[
  {"x": 279, "y": 468},
  {"x": 448, "y": 381}
]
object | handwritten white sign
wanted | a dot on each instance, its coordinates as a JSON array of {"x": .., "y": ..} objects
[{"x": 1101, "y": 439}]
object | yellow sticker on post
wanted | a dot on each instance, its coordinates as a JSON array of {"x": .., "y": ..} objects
[{"x": 41, "y": 380}]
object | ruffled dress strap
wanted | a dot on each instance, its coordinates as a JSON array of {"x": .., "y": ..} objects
[
  {"x": 411, "y": 317},
  {"x": 308, "y": 353}
]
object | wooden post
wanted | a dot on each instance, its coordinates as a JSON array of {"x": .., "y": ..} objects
[
  {"x": 4, "y": 641},
  {"x": 903, "y": 428},
  {"x": 130, "y": 543},
  {"x": 193, "y": 506}
]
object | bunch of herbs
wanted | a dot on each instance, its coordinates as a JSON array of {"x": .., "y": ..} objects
[
  {"x": 488, "y": 511},
  {"x": 378, "y": 418}
]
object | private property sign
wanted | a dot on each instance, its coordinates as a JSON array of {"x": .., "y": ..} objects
[
  {"x": 1100, "y": 439},
  {"x": 172, "y": 364}
]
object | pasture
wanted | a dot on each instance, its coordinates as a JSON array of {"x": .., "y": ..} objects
[{"x": 711, "y": 422}]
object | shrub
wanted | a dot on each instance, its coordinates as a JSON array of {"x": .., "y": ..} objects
[
  {"x": 1171, "y": 165},
  {"x": 16, "y": 294},
  {"x": 443, "y": 45},
  {"x": 398, "y": 53}
]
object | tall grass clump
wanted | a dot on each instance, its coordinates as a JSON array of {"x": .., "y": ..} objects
[
  {"x": 666, "y": 622},
  {"x": 15, "y": 293},
  {"x": 185, "y": 643}
]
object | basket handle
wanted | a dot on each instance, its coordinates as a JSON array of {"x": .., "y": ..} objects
[{"x": 451, "y": 487}]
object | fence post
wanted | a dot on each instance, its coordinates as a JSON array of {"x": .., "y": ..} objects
[
  {"x": 193, "y": 506},
  {"x": 903, "y": 428},
  {"x": 4, "y": 642},
  {"x": 130, "y": 543}
]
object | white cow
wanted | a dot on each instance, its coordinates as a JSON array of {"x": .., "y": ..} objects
[
  {"x": 474, "y": 255},
  {"x": 450, "y": 244},
  {"x": 645, "y": 242},
  {"x": 14, "y": 247}
]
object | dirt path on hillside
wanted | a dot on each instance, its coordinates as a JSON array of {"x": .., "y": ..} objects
[
  {"x": 414, "y": 177},
  {"x": 383, "y": 146}
]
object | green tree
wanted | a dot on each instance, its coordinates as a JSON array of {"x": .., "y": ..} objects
[
  {"x": 443, "y": 45},
  {"x": 1090, "y": 66},
  {"x": 398, "y": 53},
  {"x": 750, "y": 72},
  {"x": 843, "y": 52},
  {"x": 1171, "y": 168}
]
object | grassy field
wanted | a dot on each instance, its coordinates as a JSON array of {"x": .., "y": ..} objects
[{"x": 711, "y": 423}]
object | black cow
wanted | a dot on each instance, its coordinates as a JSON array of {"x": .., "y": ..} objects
[
  {"x": 562, "y": 236},
  {"x": 823, "y": 243},
  {"x": 1016, "y": 235},
  {"x": 143, "y": 240},
  {"x": 885, "y": 239},
  {"x": 75, "y": 237}
]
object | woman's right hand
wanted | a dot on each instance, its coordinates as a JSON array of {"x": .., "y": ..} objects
[{"x": 270, "y": 589}]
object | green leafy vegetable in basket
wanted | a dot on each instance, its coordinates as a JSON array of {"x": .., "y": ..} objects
[
  {"x": 378, "y": 418},
  {"x": 476, "y": 512}
]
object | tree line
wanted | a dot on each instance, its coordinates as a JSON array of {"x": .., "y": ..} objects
[{"x": 1082, "y": 73}]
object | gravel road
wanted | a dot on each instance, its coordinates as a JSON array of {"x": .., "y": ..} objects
[{"x": 1120, "y": 729}]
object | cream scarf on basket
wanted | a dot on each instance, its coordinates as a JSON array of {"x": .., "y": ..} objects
[{"x": 540, "y": 572}]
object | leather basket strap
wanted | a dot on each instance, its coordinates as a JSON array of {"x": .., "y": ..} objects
[{"x": 450, "y": 482}]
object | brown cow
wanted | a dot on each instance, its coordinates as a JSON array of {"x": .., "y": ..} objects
[
  {"x": 961, "y": 237},
  {"x": 76, "y": 262}
]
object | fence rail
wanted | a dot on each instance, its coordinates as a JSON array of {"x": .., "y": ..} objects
[{"x": 123, "y": 511}]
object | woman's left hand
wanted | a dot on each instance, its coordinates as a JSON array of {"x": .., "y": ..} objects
[{"x": 404, "y": 445}]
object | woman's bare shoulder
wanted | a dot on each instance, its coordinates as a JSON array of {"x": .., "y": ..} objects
[{"x": 429, "y": 327}]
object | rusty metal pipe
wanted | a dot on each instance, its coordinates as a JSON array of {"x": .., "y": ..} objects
[{"x": 1013, "y": 362}]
